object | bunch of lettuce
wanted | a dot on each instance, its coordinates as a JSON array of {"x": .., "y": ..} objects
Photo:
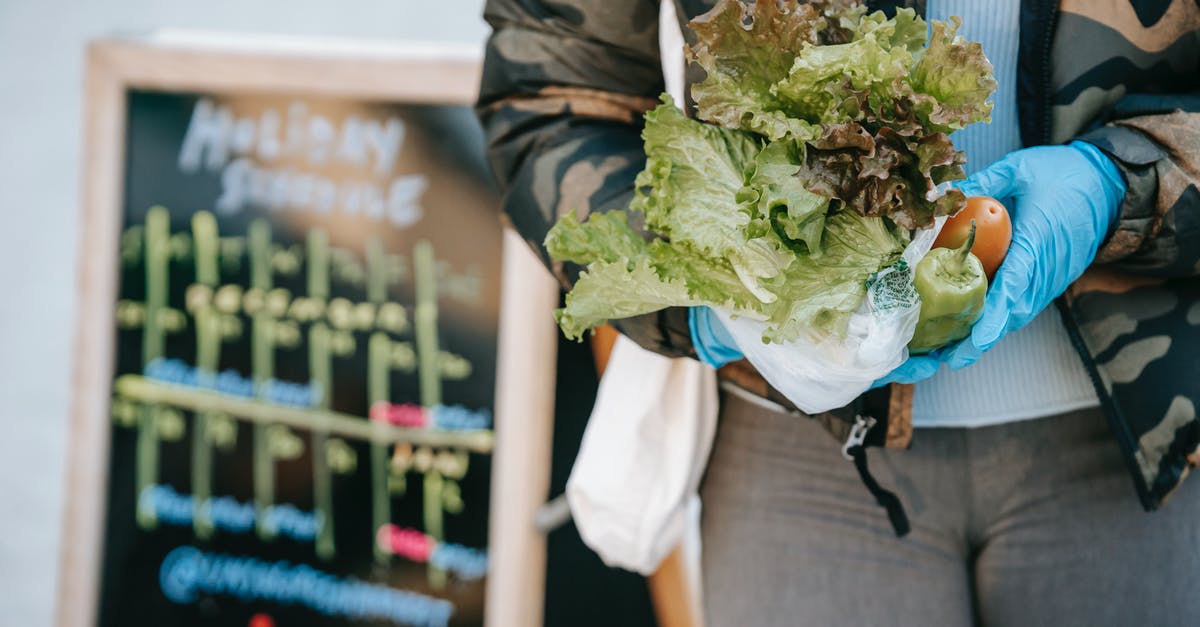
[{"x": 823, "y": 141}]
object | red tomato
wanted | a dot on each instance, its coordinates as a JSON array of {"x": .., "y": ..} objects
[{"x": 993, "y": 231}]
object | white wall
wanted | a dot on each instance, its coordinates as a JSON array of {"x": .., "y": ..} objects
[{"x": 41, "y": 75}]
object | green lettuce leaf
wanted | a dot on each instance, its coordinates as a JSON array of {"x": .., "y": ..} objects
[
  {"x": 745, "y": 49},
  {"x": 652, "y": 277},
  {"x": 711, "y": 281},
  {"x": 781, "y": 199},
  {"x": 816, "y": 294},
  {"x": 835, "y": 84},
  {"x": 819, "y": 292},
  {"x": 689, "y": 192},
  {"x": 690, "y": 169},
  {"x": 842, "y": 19},
  {"x": 952, "y": 81},
  {"x": 618, "y": 289},
  {"x": 905, "y": 30},
  {"x": 604, "y": 237}
]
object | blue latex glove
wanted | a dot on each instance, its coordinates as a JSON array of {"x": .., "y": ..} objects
[
  {"x": 714, "y": 346},
  {"x": 1062, "y": 201}
]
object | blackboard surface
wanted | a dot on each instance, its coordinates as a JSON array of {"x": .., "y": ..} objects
[{"x": 305, "y": 362}]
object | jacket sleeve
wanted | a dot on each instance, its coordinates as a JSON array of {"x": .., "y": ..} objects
[
  {"x": 1158, "y": 227},
  {"x": 565, "y": 84}
]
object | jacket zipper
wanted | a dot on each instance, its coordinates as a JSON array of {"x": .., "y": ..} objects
[
  {"x": 1112, "y": 412},
  {"x": 1051, "y": 22},
  {"x": 1116, "y": 421}
]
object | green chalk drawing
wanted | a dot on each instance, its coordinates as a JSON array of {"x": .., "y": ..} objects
[
  {"x": 433, "y": 522},
  {"x": 280, "y": 320},
  {"x": 201, "y": 477},
  {"x": 149, "y": 391},
  {"x": 429, "y": 376},
  {"x": 208, "y": 356},
  {"x": 262, "y": 351},
  {"x": 452, "y": 497},
  {"x": 320, "y": 373},
  {"x": 379, "y": 379},
  {"x": 157, "y": 261},
  {"x": 379, "y": 389},
  {"x": 147, "y": 463},
  {"x": 342, "y": 458},
  {"x": 425, "y": 313}
]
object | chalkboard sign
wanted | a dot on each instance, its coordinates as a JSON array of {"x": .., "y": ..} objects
[{"x": 286, "y": 410}]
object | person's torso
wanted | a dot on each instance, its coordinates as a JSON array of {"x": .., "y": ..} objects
[
  {"x": 1075, "y": 60},
  {"x": 1080, "y": 64}
]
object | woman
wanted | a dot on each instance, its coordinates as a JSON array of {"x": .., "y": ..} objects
[{"x": 1016, "y": 487}]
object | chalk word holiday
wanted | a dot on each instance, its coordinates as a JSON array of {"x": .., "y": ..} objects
[{"x": 257, "y": 157}]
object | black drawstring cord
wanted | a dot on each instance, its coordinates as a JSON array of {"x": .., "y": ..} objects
[{"x": 888, "y": 500}]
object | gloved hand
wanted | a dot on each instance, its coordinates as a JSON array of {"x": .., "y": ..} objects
[
  {"x": 714, "y": 345},
  {"x": 1062, "y": 201}
]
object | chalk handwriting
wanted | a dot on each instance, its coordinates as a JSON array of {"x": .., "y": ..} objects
[
  {"x": 215, "y": 136},
  {"x": 227, "y": 513},
  {"x": 243, "y": 183},
  {"x": 188, "y": 572},
  {"x": 243, "y": 149}
]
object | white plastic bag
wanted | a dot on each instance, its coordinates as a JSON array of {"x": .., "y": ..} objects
[
  {"x": 820, "y": 374},
  {"x": 642, "y": 456}
]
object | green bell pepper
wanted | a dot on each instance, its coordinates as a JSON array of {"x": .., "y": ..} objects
[{"x": 952, "y": 286}]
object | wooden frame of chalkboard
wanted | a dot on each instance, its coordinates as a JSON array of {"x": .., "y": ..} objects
[{"x": 378, "y": 72}]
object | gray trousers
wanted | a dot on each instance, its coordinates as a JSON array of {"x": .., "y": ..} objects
[{"x": 1027, "y": 523}]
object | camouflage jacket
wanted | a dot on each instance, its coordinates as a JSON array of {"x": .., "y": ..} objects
[{"x": 565, "y": 83}]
